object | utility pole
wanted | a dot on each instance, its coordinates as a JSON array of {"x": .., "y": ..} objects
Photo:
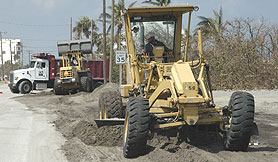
[
  {"x": 92, "y": 34},
  {"x": 21, "y": 45},
  {"x": 2, "y": 57},
  {"x": 70, "y": 28},
  {"x": 14, "y": 53},
  {"x": 112, "y": 41},
  {"x": 11, "y": 54},
  {"x": 29, "y": 58},
  {"x": 104, "y": 41}
]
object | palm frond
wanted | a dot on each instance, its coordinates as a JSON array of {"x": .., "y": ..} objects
[
  {"x": 132, "y": 4},
  {"x": 153, "y": 3}
]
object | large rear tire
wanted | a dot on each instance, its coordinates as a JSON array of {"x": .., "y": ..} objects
[
  {"x": 241, "y": 122},
  {"x": 136, "y": 127},
  {"x": 25, "y": 87},
  {"x": 85, "y": 84},
  {"x": 110, "y": 103}
]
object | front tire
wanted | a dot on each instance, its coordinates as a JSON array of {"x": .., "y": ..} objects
[
  {"x": 241, "y": 122},
  {"x": 14, "y": 90},
  {"x": 136, "y": 127},
  {"x": 85, "y": 84},
  {"x": 56, "y": 89},
  {"x": 25, "y": 87}
]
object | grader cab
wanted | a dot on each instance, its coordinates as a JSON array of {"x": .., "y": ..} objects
[{"x": 163, "y": 92}]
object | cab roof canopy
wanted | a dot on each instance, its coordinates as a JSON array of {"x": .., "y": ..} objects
[{"x": 169, "y": 10}]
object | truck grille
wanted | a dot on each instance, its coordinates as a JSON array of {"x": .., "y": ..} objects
[
  {"x": 11, "y": 77},
  {"x": 66, "y": 74}
]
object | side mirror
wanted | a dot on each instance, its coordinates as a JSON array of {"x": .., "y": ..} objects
[{"x": 135, "y": 29}]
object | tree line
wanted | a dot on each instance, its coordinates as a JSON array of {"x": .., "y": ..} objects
[{"x": 242, "y": 53}]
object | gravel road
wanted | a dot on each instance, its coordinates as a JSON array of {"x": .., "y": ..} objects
[
  {"x": 85, "y": 142},
  {"x": 25, "y": 135}
]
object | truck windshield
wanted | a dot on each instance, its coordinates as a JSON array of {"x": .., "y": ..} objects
[{"x": 32, "y": 64}]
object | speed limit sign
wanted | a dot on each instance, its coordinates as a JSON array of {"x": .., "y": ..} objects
[{"x": 120, "y": 57}]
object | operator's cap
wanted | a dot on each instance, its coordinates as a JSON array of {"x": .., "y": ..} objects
[{"x": 150, "y": 34}]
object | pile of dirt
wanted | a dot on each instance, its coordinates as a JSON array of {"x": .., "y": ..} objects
[
  {"x": 77, "y": 113},
  {"x": 85, "y": 142},
  {"x": 103, "y": 136}
]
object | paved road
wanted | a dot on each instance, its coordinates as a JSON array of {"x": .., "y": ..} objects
[{"x": 26, "y": 136}]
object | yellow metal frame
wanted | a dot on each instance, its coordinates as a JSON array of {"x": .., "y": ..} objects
[
  {"x": 67, "y": 67},
  {"x": 171, "y": 88}
]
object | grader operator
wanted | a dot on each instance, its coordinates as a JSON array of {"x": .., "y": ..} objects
[{"x": 162, "y": 95}]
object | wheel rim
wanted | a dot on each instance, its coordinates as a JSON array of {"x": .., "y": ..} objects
[
  {"x": 126, "y": 127},
  {"x": 104, "y": 112},
  {"x": 100, "y": 112},
  {"x": 26, "y": 87}
]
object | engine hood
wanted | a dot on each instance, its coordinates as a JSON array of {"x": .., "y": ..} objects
[{"x": 21, "y": 71}]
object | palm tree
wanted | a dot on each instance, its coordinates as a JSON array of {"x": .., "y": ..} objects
[
  {"x": 158, "y": 2},
  {"x": 118, "y": 19},
  {"x": 212, "y": 25},
  {"x": 83, "y": 26},
  {"x": 95, "y": 34}
]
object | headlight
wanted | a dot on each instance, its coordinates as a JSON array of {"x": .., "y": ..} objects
[
  {"x": 59, "y": 81},
  {"x": 73, "y": 79}
]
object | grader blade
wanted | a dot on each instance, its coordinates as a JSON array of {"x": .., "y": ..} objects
[{"x": 109, "y": 122}]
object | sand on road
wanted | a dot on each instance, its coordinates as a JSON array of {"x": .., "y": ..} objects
[
  {"x": 25, "y": 135},
  {"x": 86, "y": 142}
]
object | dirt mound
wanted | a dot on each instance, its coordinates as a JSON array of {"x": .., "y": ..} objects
[
  {"x": 103, "y": 136},
  {"x": 104, "y": 88},
  {"x": 85, "y": 142},
  {"x": 77, "y": 113},
  {"x": 74, "y": 145}
]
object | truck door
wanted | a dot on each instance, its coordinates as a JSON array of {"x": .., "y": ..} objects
[{"x": 41, "y": 71}]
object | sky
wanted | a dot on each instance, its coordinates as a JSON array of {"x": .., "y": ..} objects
[{"x": 41, "y": 23}]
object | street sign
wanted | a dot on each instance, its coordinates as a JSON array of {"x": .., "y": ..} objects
[{"x": 120, "y": 57}]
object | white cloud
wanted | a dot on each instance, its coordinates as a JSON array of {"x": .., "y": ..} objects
[{"x": 46, "y": 4}]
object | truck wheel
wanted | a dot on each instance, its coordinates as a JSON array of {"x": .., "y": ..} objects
[
  {"x": 110, "y": 103},
  {"x": 85, "y": 84},
  {"x": 25, "y": 87},
  {"x": 14, "y": 90},
  {"x": 90, "y": 80},
  {"x": 56, "y": 89},
  {"x": 136, "y": 127},
  {"x": 241, "y": 122},
  {"x": 97, "y": 84}
]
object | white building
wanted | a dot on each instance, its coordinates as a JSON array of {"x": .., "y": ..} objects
[{"x": 10, "y": 49}]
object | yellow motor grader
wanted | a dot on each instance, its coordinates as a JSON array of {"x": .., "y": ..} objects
[{"x": 163, "y": 92}]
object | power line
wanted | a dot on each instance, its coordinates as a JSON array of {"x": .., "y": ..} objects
[{"x": 33, "y": 25}]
